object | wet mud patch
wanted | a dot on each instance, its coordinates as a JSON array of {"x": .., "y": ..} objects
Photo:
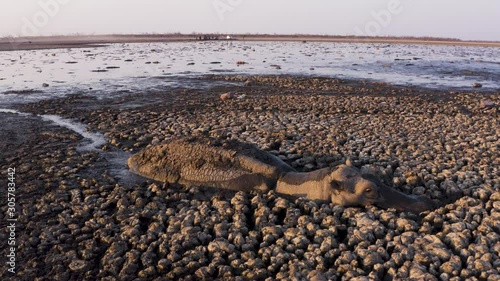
[{"x": 22, "y": 92}]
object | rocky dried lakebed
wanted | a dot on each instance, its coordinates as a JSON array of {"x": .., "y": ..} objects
[{"x": 81, "y": 216}]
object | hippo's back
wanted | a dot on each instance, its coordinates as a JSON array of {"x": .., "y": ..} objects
[{"x": 206, "y": 161}]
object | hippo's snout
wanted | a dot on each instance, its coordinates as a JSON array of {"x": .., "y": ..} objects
[
  {"x": 391, "y": 198},
  {"x": 421, "y": 204}
]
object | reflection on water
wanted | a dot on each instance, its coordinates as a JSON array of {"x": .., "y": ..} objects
[{"x": 102, "y": 71}]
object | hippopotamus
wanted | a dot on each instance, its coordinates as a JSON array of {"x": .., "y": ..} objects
[{"x": 240, "y": 166}]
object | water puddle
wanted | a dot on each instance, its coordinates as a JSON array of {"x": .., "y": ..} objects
[{"x": 117, "y": 162}]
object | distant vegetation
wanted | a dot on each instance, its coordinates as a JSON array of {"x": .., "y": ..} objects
[
  {"x": 298, "y": 35},
  {"x": 249, "y": 36},
  {"x": 426, "y": 38},
  {"x": 319, "y": 36}
]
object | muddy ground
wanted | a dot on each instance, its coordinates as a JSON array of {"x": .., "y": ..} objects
[{"x": 81, "y": 216}]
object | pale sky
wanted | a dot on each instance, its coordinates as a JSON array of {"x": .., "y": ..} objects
[{"x": 463, "y": 19}]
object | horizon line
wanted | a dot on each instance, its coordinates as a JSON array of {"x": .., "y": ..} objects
[{"x": 167, "y": 34}]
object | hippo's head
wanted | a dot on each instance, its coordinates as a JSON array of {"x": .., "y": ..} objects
[{"x": 351, "y": 187}]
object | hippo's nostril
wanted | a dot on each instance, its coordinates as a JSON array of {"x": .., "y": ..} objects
[{"x": 424, "y": 203}]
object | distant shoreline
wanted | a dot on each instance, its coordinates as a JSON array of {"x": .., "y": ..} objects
[{"x": 85, "y": 41}]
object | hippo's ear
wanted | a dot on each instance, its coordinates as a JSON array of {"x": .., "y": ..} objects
[{"x": 348, "y": 162}]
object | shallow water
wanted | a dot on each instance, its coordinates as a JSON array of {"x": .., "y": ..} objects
[
  {"x": 91, "y": 140},
  {"x": 119, "y": 69},
  {"x": 115, "y": 160}
]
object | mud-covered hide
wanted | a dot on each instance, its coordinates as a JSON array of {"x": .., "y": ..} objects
[{"x": 223, "y": 164}]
